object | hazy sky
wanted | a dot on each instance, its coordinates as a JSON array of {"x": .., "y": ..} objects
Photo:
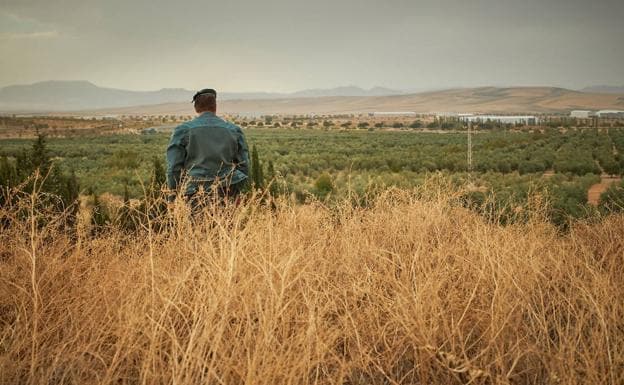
[{"x": 281, "y": 45}]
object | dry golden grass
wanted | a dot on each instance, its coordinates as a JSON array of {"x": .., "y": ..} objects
[{"x": 412, "y": 290}]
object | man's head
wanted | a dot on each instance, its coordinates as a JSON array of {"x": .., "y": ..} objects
[{"x": 205, "y": 100}]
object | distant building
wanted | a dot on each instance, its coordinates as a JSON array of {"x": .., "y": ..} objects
[
  {"x": 452, "y": 114},
  {"x": 506, "y": 119},
  {"x": 582, "y": 114},
  {"x": 393, "y": 113},
  {"x": 610, "y": 114}
]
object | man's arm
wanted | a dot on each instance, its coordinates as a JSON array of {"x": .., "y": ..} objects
[
  {"x": 176, "y": 153},
  {"x": 243, "y": 153}
]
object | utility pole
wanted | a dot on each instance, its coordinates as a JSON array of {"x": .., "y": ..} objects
[{"x": 469, "y": 145}]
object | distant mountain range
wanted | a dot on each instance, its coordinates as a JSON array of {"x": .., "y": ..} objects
[
  {"x": 79, "y": 95},
  {"x": 604, "y": 90},
  {"x": 344, "y": 91},
  {"x": 83, "y": 95},
  {"x": 509, "y": 100}
]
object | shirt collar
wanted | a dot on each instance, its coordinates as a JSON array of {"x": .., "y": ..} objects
[{"x": 207, "y": 113}]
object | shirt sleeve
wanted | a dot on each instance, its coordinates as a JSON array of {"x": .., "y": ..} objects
[
  {"x": 243, "y": 153},
  {"x": 176, "y": 154}
]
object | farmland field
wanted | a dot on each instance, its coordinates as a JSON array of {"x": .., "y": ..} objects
[{"x": 562, "y": 165}]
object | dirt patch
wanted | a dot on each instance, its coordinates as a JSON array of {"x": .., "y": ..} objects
[
  {"x": 594, "y": 192},
  {"x": 548, "y": 174}
]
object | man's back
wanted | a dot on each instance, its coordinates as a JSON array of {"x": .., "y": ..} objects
[{"x": 207, "y": 149}]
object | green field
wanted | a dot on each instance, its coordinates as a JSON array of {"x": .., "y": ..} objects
[{"x": 307, "y": 162}]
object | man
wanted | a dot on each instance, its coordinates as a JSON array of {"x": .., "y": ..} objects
[{"x": 207, "y": 153}]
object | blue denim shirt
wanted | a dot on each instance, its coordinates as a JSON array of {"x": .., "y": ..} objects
[{"x": 204, "y": 150}]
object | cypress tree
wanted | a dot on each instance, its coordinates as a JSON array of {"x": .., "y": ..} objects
[
  {"x": 72, "y": 188},
  {"x": 39, "y": 157},
  {"x": 271, "y": 170},
  {"x": 99, "y": 216},
  {"x": 273, "y": 188},
  {"x": 260, "y": 175},
  {"x": 69, "y": 194},
  {"x": 159, "y": 176},
  {"x": 257, "y": 179}
]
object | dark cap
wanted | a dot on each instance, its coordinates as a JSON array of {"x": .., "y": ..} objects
[{"x": 204, "y": 92}]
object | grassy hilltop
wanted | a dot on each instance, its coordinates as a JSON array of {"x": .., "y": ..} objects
[{"x": 413, "y": 289}]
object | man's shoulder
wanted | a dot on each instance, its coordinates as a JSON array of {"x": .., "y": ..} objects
[
  {"x": 233, "y": 127},
  {"x": 183, "y": 127}
]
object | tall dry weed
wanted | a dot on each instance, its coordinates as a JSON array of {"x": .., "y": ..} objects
[{"x": 412, "y": 289}]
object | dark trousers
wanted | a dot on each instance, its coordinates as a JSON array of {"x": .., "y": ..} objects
[{"x": 208, "y": 194}]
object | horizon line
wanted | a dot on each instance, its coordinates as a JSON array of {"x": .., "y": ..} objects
[{"x": 400, "y": 90}]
